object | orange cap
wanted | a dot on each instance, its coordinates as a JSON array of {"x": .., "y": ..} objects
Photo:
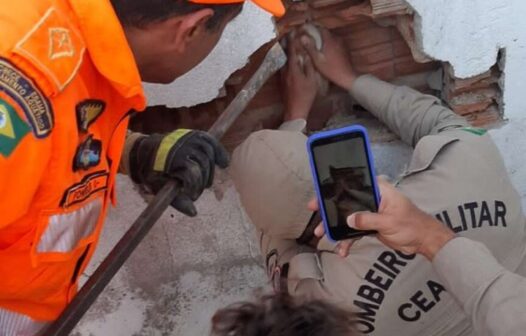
[{"x": 274, "y": 7}]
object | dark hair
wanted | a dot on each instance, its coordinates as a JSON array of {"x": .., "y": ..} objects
[
  {"x": 283, "y": 315},
  {"x": 139, "y": 13}
]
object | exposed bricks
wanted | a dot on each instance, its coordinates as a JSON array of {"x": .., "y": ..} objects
[
  {"x": 477, "y": 98},
  {"x": 389, "y": 7},
  {"x": 380, "y": 39},
  {"x": 366, "y": 34},
  {"x": 488, "y": 116}
]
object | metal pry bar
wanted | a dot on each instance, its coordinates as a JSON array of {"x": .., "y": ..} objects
[{"x": 273, "y": 62}]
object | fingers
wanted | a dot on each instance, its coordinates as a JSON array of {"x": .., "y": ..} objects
[
  {"x": 366, "y": 221},
  {"x": 294, "y": 66},
  {"x": 192, "y": 186},
  {"x": 184, "y": 204},
  {"x": 221, "y": 156},
  {"x": 344, "y": 247},
  {"x": 209, "y": 154},
  {"x": 319, "y": 231},
  {"x": 192, "y": 178},
  {"x": 310, "y": 46},
  {"x": 309, "y": 68},
  {"x": 206, "y": 165},
  {"x": 313, "y": 205}
]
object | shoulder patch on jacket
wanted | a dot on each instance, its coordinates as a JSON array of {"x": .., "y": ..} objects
[
  {"x": 55, "y": 47},
  {"x": 23, "y": 93},
  {"x": 474, "y": 130}
]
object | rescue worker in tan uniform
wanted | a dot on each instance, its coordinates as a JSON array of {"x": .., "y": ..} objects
[
  {"x": 492, "y": 296},
  {"x": 456, "y": 174},
  {"x": 70, "y": 73}
]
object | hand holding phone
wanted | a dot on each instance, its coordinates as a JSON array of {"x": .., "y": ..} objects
[{"x": 344, "y": 178}]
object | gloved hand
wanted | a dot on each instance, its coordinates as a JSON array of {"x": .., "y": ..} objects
[{"x": 184, "y": 155}]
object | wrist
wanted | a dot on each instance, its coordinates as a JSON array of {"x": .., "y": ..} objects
[
  {"x": 347, "y": 82},
  {"x": 436, "y": 239},
  {"x": 141, "y": 158},
  {"x": 297, "y": 111}
]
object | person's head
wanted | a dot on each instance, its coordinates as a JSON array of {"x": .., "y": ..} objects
[
  {"x": 283, "y": 315},
  {"x": 170, "y": 37}
]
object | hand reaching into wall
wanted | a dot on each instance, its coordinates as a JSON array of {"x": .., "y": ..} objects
[
  {"x": 332, "y": 61},
  {"x": 300, "y": 82}
]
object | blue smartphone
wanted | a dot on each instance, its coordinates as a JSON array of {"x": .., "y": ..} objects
[{"x": 344, "y": 178}]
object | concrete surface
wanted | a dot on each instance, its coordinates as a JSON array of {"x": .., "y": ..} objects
[{"x": 182, "y": 272}]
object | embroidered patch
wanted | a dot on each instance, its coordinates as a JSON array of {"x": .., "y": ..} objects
[
  {"x": 60, "y": 44},
  {"x": 12, "y": 128},
  {"x": 26, "y": 94},
  {"x": 476, "y": 131},
  {"x": 88, "y": 111},
  {"x": 88, "y": 154},
  {"x": 55, "y": 47},
  {"x": 89, "y": 185}
]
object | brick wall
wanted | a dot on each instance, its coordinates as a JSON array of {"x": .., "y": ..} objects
[{"x": 380, "y": 40}]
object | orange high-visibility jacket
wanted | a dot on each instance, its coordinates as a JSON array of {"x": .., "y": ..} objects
[{"x": 67, "y": 81}]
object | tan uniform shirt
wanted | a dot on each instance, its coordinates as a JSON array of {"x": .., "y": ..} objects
[
  {"x": 457, "y": 174},
  {"x": 492, "y": 296}
]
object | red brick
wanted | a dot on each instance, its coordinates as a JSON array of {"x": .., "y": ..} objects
[
  {"x": 367, "y": 38},
  {"x": 400, "y": 48},
  {"x": 489, "y": 116},
  {"x": 407, "y": 65},
  {"x": 375, "y": 54}
]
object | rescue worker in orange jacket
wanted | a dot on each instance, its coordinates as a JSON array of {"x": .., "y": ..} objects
[{"x": 70, "y": 72}]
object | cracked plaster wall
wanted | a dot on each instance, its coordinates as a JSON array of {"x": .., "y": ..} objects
[
  {"x": 469, "y": 34},
  {"x": 466, "y": 33}
]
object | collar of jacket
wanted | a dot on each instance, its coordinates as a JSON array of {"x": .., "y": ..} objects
[{"x": 109, "y": 49}]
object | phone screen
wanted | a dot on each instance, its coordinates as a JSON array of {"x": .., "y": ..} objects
[{"x": 345, "y": 180}]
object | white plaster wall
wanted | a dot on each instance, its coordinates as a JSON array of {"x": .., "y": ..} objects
[
  {"x": 469, "y": 34},
  {"x": 242, "y": 37}
]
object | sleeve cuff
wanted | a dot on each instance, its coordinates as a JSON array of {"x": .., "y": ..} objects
[
  {"x": 466, "y": 266},
  {"x": 131, "y": 137},
  {"x": 297, "y": 125}
]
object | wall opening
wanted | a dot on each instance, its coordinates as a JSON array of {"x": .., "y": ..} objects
[{"x": 380, "y": 38}]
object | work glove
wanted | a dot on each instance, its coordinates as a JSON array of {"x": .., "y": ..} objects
[{"x": 187, "y": 156}]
